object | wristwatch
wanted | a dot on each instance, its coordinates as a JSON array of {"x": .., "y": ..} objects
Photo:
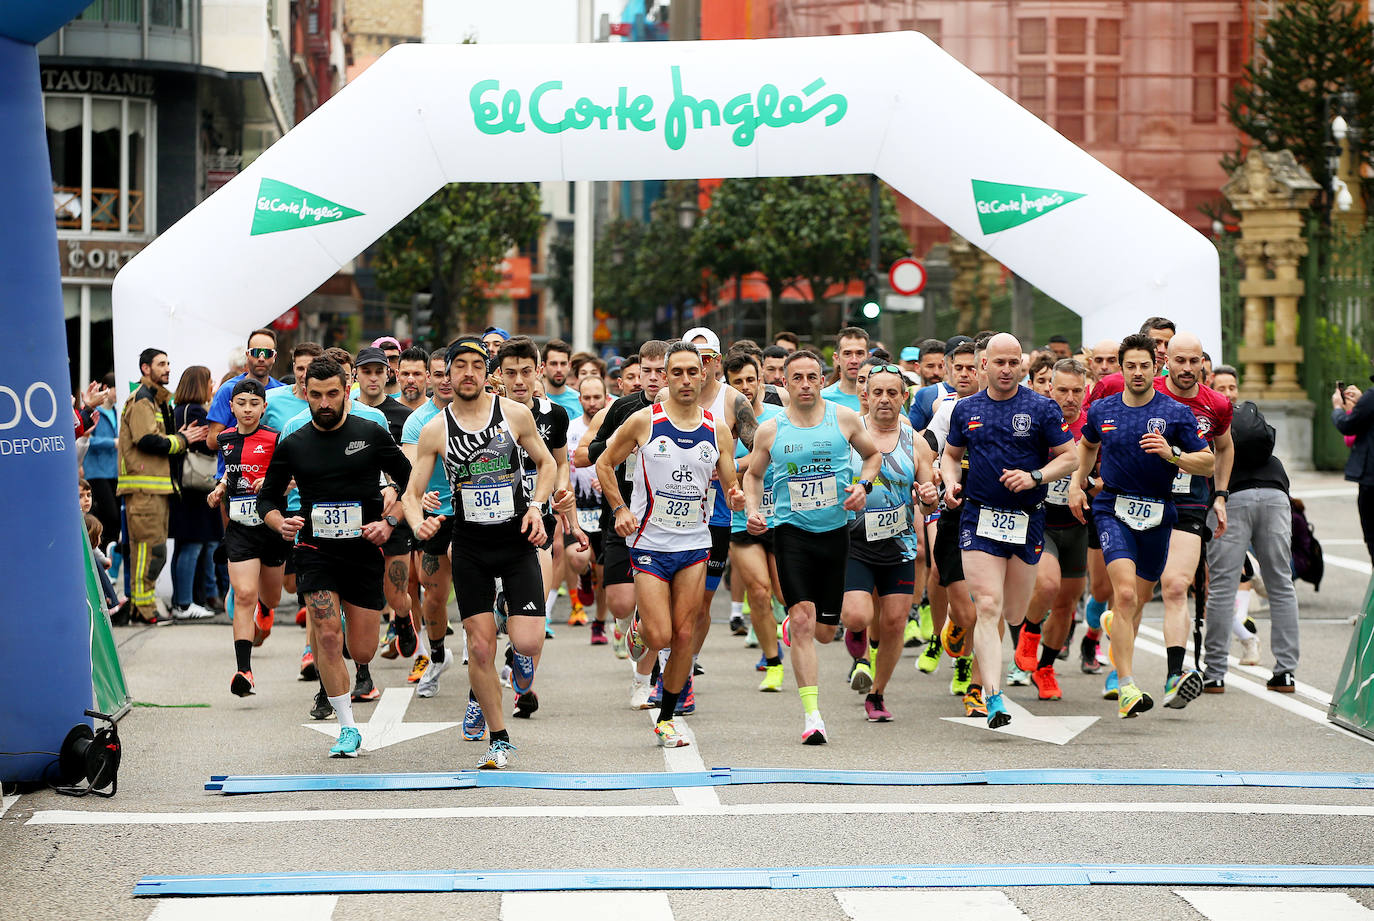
[
  {"x": 867, "y": 485},
  {"x": 392, "y": 520},
  {"x": 1221, "y": 494},
  {"x": 1178, "y": 452},
  {"x": 1038, "y": 476}
]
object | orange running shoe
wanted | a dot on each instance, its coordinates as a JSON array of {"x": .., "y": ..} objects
[
  {"x": 955, "y": 640},
  {"x": 263, "y": 618},
  {"x": 242, "y": 684},
  {"x": 578, "y": 616},
  {"x": 1028, "y": 651},
  {"x": 1047, "y": 683},
  {"x": 418, "y": 668}
]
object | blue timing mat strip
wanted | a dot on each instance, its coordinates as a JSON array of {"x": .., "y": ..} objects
[
  {"x": 877, "y": 877},
  {"x": 724, "y": 776}
]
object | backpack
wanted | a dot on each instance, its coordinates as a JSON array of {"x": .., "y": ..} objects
[{"x": 1308, "y": 564}]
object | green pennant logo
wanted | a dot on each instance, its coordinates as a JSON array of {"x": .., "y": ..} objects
[
  {"x": 1002, "y": 206},
  {"x": 285, "y": 207}
]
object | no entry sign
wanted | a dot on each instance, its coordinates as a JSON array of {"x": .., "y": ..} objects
[{"x": 907, "y": 276}]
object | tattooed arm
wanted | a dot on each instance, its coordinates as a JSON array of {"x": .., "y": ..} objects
[{"x": 746, "y": 422}]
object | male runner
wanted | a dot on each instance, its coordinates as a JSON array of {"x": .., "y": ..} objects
[
  {"x": 497, "y": 526},
  {"x": 680, "y": 447},
  {"x": 770, "y": 368},
  {"x": 1015, "y": 440},
  {"x": 851, "y": 348},
  {"x": 337, "y": 461},
  {"x": 805, "y": 450},
  {"x": 883, "y": 546},
  {"x": 1104, "y": 360},
  {"x": 412, "y": 377},
  {"x": 557, "y": 355},
  {"x": 260, "y": 355},
  {"x": 591, "y": 392},
  {"x": 924, "y": 400},
  {"x": 1145, "y": 438},
  {"x": 256, "y": 553}
]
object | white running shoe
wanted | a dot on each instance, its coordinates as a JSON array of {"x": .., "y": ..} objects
[
  {"x": 1250, "y": 651},
  {"x": 639, "y": 695},
  {"x": 192, "y": 612},
  {"x": 428, "y": 685},
  {"x": 814, "y": 732}
]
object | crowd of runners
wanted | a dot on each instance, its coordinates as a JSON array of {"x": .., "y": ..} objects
[{"x": 946, "y": 496}]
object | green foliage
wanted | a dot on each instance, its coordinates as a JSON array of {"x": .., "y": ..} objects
[
  {"x": 617, "y": 286},
  {"x": 1312, "y": 50},
  {"x": 560, "y": 282},
  {"x": 452, "y": 244}
]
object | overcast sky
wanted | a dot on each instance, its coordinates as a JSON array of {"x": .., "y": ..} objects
[{"x": 501, "y": 22}]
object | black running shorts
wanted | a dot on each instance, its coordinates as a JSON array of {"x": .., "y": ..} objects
[
  {"x": 350, "y": 568},
  {"x": 476, "y": 567},
  {"x": 255, "y": 542},
  {"x": 811, "y": 568}
]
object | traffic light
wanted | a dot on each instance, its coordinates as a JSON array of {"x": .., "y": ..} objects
[
  {"x": 421, "y": 317},
  {"x": 872, "y": 306}
]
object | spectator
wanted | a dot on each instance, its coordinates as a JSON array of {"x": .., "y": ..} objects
[
  {"x": 196, "y": 529},
  {"x": 147, "y": 444},
  {"x": 1353, "y": 414},
  {"x": 101, "y": 465}
]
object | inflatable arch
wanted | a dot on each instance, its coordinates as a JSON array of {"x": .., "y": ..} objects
[{"x": 893, "y": 104}]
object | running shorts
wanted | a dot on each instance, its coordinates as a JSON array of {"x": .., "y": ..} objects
[
  {"x": 809, "y": 568},
  {"x": 350, "y": 568}
]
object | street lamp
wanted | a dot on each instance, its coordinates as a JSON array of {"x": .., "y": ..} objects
[{"x": 687, "y": 213}]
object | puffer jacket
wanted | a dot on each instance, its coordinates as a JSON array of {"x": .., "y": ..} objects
[{"x": 145, "y": 447}]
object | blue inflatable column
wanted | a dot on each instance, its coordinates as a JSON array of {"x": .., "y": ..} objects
[{"x": 45, "y": 652}]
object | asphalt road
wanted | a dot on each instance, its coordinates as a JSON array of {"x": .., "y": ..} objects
[{"x": 68, "y": 858}]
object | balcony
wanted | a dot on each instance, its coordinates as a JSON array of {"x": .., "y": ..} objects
[
  {"x": 104, "y": 208},
  {"x": 133, "y": 30}
]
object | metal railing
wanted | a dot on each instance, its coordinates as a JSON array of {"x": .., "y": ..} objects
[{"x": 104, "y": 208}]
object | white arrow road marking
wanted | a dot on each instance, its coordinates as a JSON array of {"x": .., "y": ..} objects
[
  {"x": 586, "y": 906},
  {"x": 386, "y": 726},
  {"x": 1230, "y": 905},
  {"x": 1058, "y": 730},
  {"x": 234, "y": 907},
  {"x": 6, "y": 801}
]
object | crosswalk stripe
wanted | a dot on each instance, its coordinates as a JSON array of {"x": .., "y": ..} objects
[
  {"x": 586, "y": 906},
  {"x": 238, "y": 907},
  {"x": 928, "y": 905},
  {"x": 1232, "y": 905}
]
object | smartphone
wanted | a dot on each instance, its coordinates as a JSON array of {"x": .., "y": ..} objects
[{"x": 1340, "y": 387}]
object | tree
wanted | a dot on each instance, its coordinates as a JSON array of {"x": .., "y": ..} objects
[
  {"x": 1312, "y": 52},
  {"x": 668, "y": 274},
  {"x": 616, "y": 284},
  {"x": 452, "y": 244}
]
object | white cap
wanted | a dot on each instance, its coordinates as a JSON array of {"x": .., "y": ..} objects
[{"x": 700, "y": 332}]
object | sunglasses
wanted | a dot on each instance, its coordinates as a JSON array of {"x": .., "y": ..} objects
[{"x": 262, "y": 353}]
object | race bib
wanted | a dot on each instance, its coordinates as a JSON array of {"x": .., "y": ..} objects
[
  {"x": 1139, "y": 514},
  {"x": 1006, "y": 526},
  {"x": 710, "y": 499},
  {"x": 488, "y": 504},
  {"x": 589, "y": 520},
  {"x": 244, "y": 510},
  {"x": 766, "y": 506},
  {"x": 882, "y": 523},
  {"x": 677, "y": 513},
  {"x": 1183, "y": 483},
  {"x": 1058, "y": 493},
  {"x": 336, "y": 520},
  {"x": 808, "y": 493},
  {"x": 530, "y": 480}
]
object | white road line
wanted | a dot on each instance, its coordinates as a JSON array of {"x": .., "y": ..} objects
[
  {"x": 586, "y": 906},
  {"x": 1306, "y": 690},
  {"x": 74, "y": 817},
  {"x": 1342, "y": 542},
  {"x": 686, "y": 760},
  {"x": 237, "y": 907},
  {"x": 6, "y": 801},
  {"x": 928, "y": 905},
  {"x": 1330, "y": 492},
  {"x": 1282, "y": 701},
  {"x": 1274, "y": 905},
  {"x": 1342, "y": 562}
]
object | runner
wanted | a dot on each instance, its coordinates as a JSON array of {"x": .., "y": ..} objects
[
  {"x": 808, "y": 447},
  {"x": 1144, "y": 438},
  {"x": 679, "y": 445},
  {"x": 412, "y": 377},
  {"x": 259, "y": 356},
  {"x": 883, "y": 546},
  {"x": 336, "y": 461},
  {"x": 256, "y": 554},
  {"x": 497, "y": 526},
  {"x": 587, "y": 493},
  {"x": 851, "y": 348},
  {"x": 1015, "y": 440},
  {"x": 1063, "y": 568},
  {"x": 557, "y": 363}
]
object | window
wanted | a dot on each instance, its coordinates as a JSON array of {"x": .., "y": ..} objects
[
  {"x": 129, "y": 11},
  {"x": 930, "y": 28},
  {"x": 1086, "y": 69},
  {"x": 1033, "y": 93},
  {"x": 98, "y": 151},
  {"x": 1071, "y": 36},
  {"x": 1235, "y": 57},
  {"x": 1032, "y": 37},
  {"x": 1106, "y": 103},
  {"x": 1070, "y": 102},
  {"x": 1107, "y": 38},
  {"x": 1206, "y": 69},
  {"x": 527, "y": 314},
  {"x": 172, "y": 14}
]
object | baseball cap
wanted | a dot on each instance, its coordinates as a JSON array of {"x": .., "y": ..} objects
[
  {"x": 712, "y": 340},
  {"x": 910, "y": 353},
  {"x": 497, "y": 330},
  {"x": 248, "y": 385},
  {"x": 954, "y": 342},
  {"x": 385, "y": 341},
  {"x": 370, "y": 356}
]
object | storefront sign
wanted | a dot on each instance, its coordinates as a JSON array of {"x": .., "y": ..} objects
[
  {"x": 94, "y": 259},
  {"x": 90, "y": 80}
]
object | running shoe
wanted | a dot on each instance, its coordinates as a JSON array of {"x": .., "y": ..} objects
[
  {"x": 548, "y": 626},
  {"x": 598, "y": 633},
  {"x": 417, "y": 668},
  {"x": 499, "y": 754},
  {"x": 1087, "y": 655},
  {"x": 577, "y": 617},
  {"x": 963, "y": 676},
  {"x": 192, "y": 612},
  {"x": 772, "y": 679},
  {"x": 762, "y": 664},
  {"x": 506, "y": 672},
  {"x": 860, "y": 676},
  {"x": 241, "y": 685},
  {"x": 1250, "y": 651},
  {"x": 522, "y": 673},
  {"x": 656, "y": 696},
  {"x": 474, "y": 723},
  {"x": 997, "y": 711},
  {"x": 973, "y": 703},
  {"x": 619, "y": 646},
  {"x": 1107, "y": 617},
  {"x": 1282, "y": 683},
  {"x": 1017, "y": 678},
  {"x": 525, "y": 705},
  {"x": 911, "y": 633},
  {"x": 639, "y": 696},
  {"x": 814, "y": 731},
  {"x": 1047, "y": 683},
  {"x": 874, "y": 709},
  {"x": 499, "y": 612},
  {"x": 927, "y": 623},
  {"x": 686, "y": 701},
  {"x": 1214, "y": 686},
  {"x": 751, "y": 641},
  {"x": 308, "y": 670},
  {"x": 1132, "y": 701},
  {"x": 323, "y": 709},
  {"x": 586, "y": 591},
  {"x": 738, "y": 625},
  {"x": 955, "y": 640},
  {"x": 263, "y": 618},
  {"x": 300, "y": 617},
  {"x": 636, "y": 646},
  {"x": 1110, "y": 687},
  {"x": 667, "y": 736},
  {"x": 697, "y": 669},
  {"x": 1179, "y": 690},
  {"x": 1063, "y": 653},
  {"x": 929, "y": 659},
  {"x": 406, "y": 640},
  {"x": 350, "y": 740},
  {"x": 1027, "y": 656},
  {"x": 388, "y": 646},
  {"x": 785, "y": 631},
  {"x": 428, "y": 685}
]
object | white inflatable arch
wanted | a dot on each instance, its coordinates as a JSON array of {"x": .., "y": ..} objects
[{"x": 893, "y": 104}]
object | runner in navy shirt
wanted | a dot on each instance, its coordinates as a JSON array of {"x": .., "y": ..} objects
[
  {"x": 1016, "y": 441},
  {"x": 1145, "y": 438}
]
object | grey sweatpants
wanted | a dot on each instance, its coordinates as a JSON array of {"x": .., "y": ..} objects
[{"x": 1260, "y": 519}]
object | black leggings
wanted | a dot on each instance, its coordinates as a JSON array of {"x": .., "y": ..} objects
[{"x": 1366, "y": 506}]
